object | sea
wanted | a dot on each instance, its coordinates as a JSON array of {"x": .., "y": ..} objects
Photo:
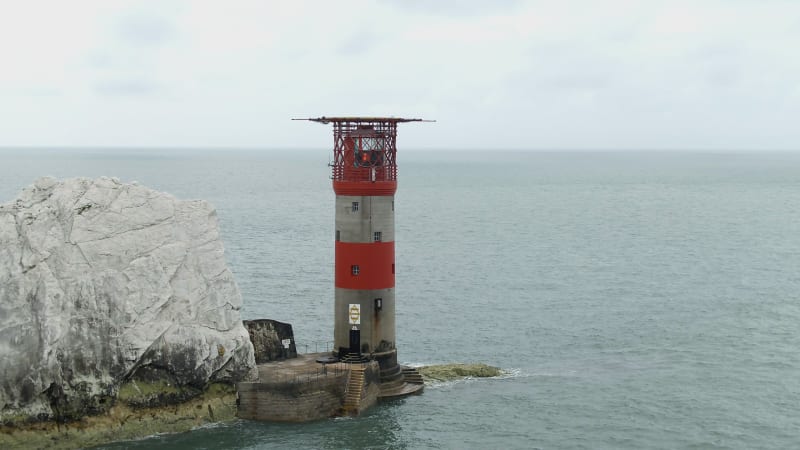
[{"x": 634, "y": 300}]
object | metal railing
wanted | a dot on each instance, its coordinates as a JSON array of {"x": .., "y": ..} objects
[{"x": 314, "y": 346}]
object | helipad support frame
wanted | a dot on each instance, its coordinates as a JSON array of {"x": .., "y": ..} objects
[{"x": 364, "y": 174}]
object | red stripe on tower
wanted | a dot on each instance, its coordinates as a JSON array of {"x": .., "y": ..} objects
[
  {"x": 365, "y": 265},
  {"x": 378, "y": 188}
]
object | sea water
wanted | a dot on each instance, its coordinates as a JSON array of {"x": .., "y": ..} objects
[{"x": 635, "y": 299}]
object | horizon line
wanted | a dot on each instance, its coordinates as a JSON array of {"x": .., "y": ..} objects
[{"x": 404, "y": 149}]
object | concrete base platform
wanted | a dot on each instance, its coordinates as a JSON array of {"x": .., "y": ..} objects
[
  {"x": 402, "y": 390},
  {"x": 408, "y": 383},
  {"x": 294, "y": 390},
  {"x": 304, "y": 364},
  {"x": 302, "y": 389}
]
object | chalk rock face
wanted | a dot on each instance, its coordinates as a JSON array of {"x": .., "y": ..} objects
[{"x": 103, "y": 282}]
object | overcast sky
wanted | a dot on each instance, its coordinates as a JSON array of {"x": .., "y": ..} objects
[{"x": 494, "y": 74}]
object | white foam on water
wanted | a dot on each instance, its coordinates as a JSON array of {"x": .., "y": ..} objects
[
  {"x": 416, "y": 365},
  {"x": 211, "y": 425}
]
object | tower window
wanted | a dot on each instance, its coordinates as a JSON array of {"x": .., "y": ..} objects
[
  {"x": 338, "y": 235},
  {"x": 376, "y": 236},
  {"x": 392, "y": 205},
  {"x": 392, "y": 268},
  {"x": 355, "y": 206},
  {"x": 354, "y": 270}
]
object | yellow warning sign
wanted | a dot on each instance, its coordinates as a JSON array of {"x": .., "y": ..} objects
[{"x": 354, "y": 312}]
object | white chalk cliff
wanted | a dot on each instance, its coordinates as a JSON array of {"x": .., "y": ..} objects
[{"x": 101, "y": 282}]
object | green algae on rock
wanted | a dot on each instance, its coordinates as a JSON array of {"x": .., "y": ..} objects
[
  {"x": 448, "y": 372},
  {"x": 122, "y": 421}
]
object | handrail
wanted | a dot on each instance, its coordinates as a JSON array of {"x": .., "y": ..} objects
[{"x": 318, "y": 346}]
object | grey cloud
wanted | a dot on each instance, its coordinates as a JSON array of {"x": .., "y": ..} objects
[
  {"x": 126, "y": 87},
  {"x": 721, "y": 64},
  {"x": 43, "y": 91},
  {"x": 577, "y": 82},
  {"x": 715, "y": 52},
  {"x": 359, "y": 43},
  {"x": 462, "y": 8},
  {"x": 573, "y": 66},
  {"x": 101, "y": 60},
  {"x": 144, "y": 29}
]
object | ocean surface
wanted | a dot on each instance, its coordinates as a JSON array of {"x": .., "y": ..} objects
[{"x": 636, "y": 300}]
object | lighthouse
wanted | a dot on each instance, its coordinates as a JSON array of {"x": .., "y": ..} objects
[{"x": 364, "y": 174}]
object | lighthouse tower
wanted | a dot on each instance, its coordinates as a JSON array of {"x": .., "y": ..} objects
[{"x": 365, "y": 181}]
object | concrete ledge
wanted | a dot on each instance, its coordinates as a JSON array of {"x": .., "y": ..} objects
[
  {"x": 291, "y": 401},
  {"x": 302, "y": 390}
]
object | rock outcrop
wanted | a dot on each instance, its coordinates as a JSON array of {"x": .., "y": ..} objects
[
  {"x": 449, "y": 372},
  {"x": 104, "y": 284},
  {"x": 272, "y": 340}
]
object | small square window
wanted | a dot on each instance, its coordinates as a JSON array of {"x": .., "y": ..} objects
[
  {"x": 354, "y": 270},
  {"x": 376, "y": 236},
  {"x": 355, "y": 206},
  {"x": 338, "y": 235}
]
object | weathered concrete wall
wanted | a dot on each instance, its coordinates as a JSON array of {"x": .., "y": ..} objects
[
  {"x": 372, "y": 386},
  {"x": 377, "y": 327},
  {"x": 294, "y": 401},
  {"x": 289, "y": 392},
  {"x": 375, "y": 213},
  {"x": 267, "y": 337}
]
